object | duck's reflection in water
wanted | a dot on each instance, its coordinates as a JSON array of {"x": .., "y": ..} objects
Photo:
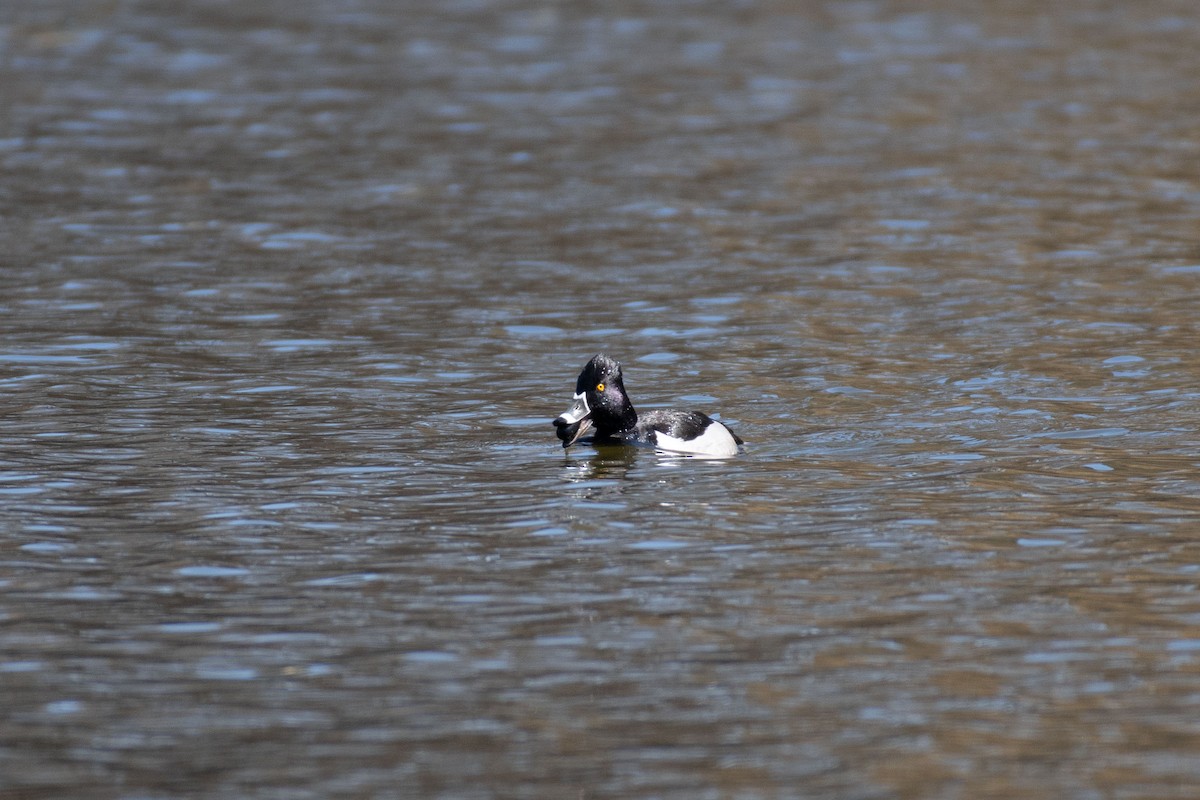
[{"x": 606, "y": 463}]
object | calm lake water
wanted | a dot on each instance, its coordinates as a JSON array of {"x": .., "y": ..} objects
[{"x": 291, "y": 292}]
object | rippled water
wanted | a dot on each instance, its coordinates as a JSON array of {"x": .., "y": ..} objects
[{"x": 293, "y": 290}]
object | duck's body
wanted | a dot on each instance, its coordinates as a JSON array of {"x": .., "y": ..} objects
[{"x": 601, "y": 405}]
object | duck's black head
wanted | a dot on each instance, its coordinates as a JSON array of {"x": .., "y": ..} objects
[{"x": 600, "y": 402}]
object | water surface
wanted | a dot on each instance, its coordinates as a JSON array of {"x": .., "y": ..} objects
[{"x": 293, "y": 290}]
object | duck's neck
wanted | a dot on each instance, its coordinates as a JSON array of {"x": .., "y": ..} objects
[{"x": 626, "y": 420}]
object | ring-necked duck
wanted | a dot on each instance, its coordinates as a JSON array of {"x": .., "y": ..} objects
[{"x": 601, "y": 405}]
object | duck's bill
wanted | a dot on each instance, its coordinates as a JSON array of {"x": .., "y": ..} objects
[{"x": 574, "y": 422}]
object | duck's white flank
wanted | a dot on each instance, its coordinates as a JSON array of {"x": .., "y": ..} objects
[{"x": 715, "y": 441}]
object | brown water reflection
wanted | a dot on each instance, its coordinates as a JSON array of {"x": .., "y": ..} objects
[{"x": 292, "y": 292}]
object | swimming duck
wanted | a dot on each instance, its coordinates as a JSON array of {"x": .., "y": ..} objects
[{"x": 600, "y": 404}]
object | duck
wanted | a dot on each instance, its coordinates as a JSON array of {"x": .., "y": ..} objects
[{"x": 601, "y": 405}]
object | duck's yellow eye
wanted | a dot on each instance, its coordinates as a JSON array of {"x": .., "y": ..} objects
[{"x": 599, "y": 387}]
